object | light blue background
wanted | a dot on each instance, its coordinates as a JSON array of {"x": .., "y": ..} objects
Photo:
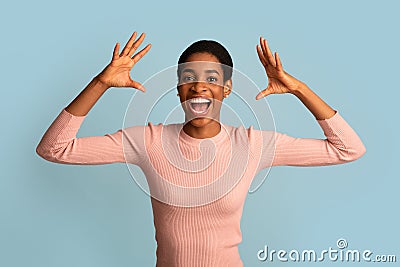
[{"x": 60, "y": 215}]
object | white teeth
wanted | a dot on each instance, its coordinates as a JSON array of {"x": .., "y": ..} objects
[{"x": 199, "y": 100}]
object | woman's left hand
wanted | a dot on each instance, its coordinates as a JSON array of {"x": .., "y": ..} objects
[{"x": 279, "y": 82}]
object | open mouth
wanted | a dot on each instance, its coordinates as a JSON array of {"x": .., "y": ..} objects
[{"x": 199, "y": 105}]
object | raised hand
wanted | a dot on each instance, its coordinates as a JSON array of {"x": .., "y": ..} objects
[
  {"x": 279, "y": 81},
  {"x": 117, "y": 73}
]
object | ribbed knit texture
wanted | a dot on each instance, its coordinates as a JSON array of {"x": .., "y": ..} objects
[{"x": 198, "y": 186}]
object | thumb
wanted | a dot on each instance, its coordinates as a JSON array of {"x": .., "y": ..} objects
[
  {"x": 264, "y": 93},
  {"x": 138, "y": 86}
]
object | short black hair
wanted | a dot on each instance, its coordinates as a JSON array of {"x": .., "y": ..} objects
[{"x": 212, "y": 47}]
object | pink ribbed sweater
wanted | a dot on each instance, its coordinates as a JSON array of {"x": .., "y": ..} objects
[{"x": 199, "y": 227}]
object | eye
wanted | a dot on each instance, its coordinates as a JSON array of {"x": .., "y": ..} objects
[
  {"x": 188, "y": 78},
  {"x": 212, "y": 79}
]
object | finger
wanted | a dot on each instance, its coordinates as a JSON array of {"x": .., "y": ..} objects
[
  {"x": 267, "y": 52},
  {"x": 263, "y": 51},
  {"x": 261, "y": 56},
  {"x": 141, "y": 53},
  {"x": 263, "y": 93},
  {"x": 128, "y": 45},
  {"x": 116, "y": 51},
  {"x": 270, "y": 57},
  {"x": 138, "y": 86},
  {"x": 136, "y": 44},
  {"x": 278, "y": 62}
]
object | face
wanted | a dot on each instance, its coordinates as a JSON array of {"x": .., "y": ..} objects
[{"x": 202, "y": 89}]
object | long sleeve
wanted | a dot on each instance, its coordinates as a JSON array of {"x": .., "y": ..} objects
[
  {"x": 341, "y": 145},
  {"x": 59, "y": 144}
]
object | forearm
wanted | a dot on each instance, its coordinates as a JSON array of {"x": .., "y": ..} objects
[
  {"x": 314, "y": 103},
  {"x": 82, "y": 104}
]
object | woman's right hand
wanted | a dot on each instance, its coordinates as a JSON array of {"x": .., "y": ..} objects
[{"x": 117, "y": 73}]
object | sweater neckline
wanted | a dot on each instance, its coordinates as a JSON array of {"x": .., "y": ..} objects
[{"x": 187, "y": 139}]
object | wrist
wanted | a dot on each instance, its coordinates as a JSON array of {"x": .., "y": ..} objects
[
  {"x": 99, "y": 84},
  {"x": 300, "y": 90}
]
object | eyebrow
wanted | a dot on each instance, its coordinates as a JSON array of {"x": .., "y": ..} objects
[{"x": 206, "y": 71}]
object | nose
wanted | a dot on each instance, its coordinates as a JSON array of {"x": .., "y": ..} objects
[{"x": 199, "y": 87}]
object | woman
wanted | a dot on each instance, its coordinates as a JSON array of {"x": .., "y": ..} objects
[{"x": 199, "y": 227}]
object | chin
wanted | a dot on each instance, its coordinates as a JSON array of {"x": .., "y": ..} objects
[{"x": 201, "y": 122}]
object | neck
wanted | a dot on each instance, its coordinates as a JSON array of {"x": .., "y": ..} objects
[{"x": 208, "y": 130}]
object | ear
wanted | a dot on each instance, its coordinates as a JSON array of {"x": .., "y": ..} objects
[{"x": 227, "y": 88}]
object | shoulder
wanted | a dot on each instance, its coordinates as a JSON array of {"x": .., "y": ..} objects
[
  {"x": 154, "y": 132},
  {"x": 242, "y": 132},
  {"x": 255, "y": 138},
  {"x": 151, "y": 133}
]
